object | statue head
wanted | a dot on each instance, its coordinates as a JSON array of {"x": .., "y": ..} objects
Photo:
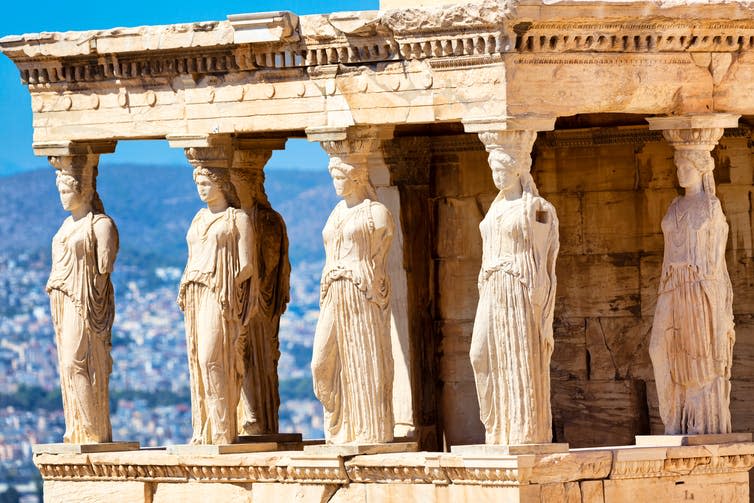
[
  {"x": 694, "y": 168},
  {"x": 213, "y": 184},
  {"x": 76, "y": 180},
  {"x": 351, "y": 176},
  {"x": 510, "y": 167}
]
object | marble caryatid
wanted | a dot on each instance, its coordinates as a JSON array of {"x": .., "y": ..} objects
[
  {"x": 260, "y": 400},
  {"x": 692, "y": 333},
  {"x": 512, "y": 338},
  {"x": 217, "y": 298},
  {"x": 82, "y": 302},
  {"x": 352, "y": 363}
]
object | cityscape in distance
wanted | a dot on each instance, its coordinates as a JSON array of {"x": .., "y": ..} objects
[{"x": 149, "y": 386}]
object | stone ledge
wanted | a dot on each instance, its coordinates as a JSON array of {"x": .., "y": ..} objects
[{"x": 630, "y": 462}]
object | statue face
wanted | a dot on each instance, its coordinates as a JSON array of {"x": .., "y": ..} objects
[
  {"x": 70, "y": 199},
  {"x": 688, "y": 175},
  {"x": 505, "y": 172},
  {"x": 344, "y": 186},
  {"x": 208, "y": 190}
]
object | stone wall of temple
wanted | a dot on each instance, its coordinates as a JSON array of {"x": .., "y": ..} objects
[{"x": 611, "y": 188}]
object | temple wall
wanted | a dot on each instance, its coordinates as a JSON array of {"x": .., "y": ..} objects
[{"x": 611, "y": 188}]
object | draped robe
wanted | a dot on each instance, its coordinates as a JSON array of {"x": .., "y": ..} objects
[
  {"x": 217, "y": 301},
  {"x": 512, "y": 338},
  {"x": 82, "y": 304},
  {"x": 352, "y": 363},
  {"x": 692, "y": 334}
]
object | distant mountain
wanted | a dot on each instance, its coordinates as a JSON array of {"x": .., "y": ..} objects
[{"x": 153, "y": 207}]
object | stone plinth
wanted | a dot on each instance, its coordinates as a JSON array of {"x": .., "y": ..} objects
[
  {"x": 62, "y": 448},
  {"x": 507, "y": 450},
  {"x": 605, "y": 475}
]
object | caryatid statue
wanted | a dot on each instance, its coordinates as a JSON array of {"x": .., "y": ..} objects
[
  {"x": 217, "y": 295},
  {"x": 512, "y": 339},
  {"x": 260, "y": 400},
  {"x": 82, "y": 302},
  {"x": 692, "y": 337},
  {"x": 352, "y": 363}
]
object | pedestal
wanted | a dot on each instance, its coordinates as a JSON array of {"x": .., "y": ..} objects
[
  {"x": 212, "y": 450},
  {"x": 680, "y": 440},
  {"x": 282, "y": 441},
  {"x": 63, "y": 448},
  {"x": 359, "y": 449},
  {"x": 507, "y": 450}
]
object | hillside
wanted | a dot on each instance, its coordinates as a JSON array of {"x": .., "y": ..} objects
[{"x": 153, "y": 207}]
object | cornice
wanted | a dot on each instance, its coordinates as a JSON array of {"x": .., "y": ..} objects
[{"x": 465, "y": 35}]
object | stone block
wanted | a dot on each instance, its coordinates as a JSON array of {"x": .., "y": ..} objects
[
  {"x": 460, "y": 412},
  {"x": 728, "y": 487},
  {"x": 741, "y": 410},
  {"x": 456, "y": 367},
  {"x": 653, "y": 404},
  {"x": 735, "y": 153},
  {"x": 598, "y": 413},
  {"x": 399, "y": 493},
  {"x": 598, "y": 285},
  {"x": 743, "y": 350},
  {"x": 63, "y": 491},
  {"x": 618, "y": 348},
  {"x": 566, "y": 493},
  {"x": 192, "y": 492},
  {"x": 457, "y": 294},
  {"x": 655, "y": 166},
  {"x": 650, "y": 268},
  {"x": 592, "y": 491},
  {"x": 741, "y": 270},
  {"x": 459, "y": 172},
  {"x": 456, "y": 337},
  {"x": 569, "y": 354},
  {"x": 588, "y": 168},
  {"x": 569, "y": 208},
  {"x": 285, "y": 492},
  {"x": 653, "y": 205},
  {"x": 736, "y": 202},
  {"x": 612, "y": 222},
  {"x": 457, "y": 228},
  {"x": 489, "y": 494}
]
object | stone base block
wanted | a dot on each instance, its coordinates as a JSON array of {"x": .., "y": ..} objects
[
  {"x": 360, "y": 449},
  {"x": 680, "y": 440},
  {"x": 507, "y": 450},
  {"x": 63, "y": 448},
  {"x": 710, "y": 472},
  {"x": 270, "y": 437},
  {"x": 212, "y": 450},
  {"x": 58, "y": 491}
]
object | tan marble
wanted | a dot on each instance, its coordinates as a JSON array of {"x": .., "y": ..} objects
[
  {"x": 82, "y": 301},
  {"x": 218, "y": 296},
  {"x": 692, "y": 333},
  {"x": 512, "y": 340},
  {"x": 352, "y": 363}
]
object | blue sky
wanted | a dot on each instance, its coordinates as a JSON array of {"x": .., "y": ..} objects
[{"x": 45, "y": 15}]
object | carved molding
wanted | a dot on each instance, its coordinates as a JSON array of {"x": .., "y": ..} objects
[
  {"x": 633, "y": 135},
  {"x": 463, "y": 35},
  {"x": 435, "y": 468}
]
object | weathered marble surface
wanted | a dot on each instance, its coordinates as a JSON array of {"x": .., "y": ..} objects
[
  {"x": 82, "y": 301},
  {"x": 352, "y": 362},
  {"x": 701, "y": 473},
  {"x": 512, "y": 341},
  {"x": 217, "y": 296}
]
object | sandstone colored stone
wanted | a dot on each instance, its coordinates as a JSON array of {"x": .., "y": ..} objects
[
  {"x": 598, "y": 285},
  {"x": 618, "y": 348},
  {"x": 57, "y": 491},
  {"x": 604, "y": 413},
  {"x": 458, "y": 293},
  {"x": 569, "y": 208},
  {"x": 592, "y": 491},
  {"x": 191, "y": 492},
  {"x": 458, "y": 213},
  {"x": 731, "y": 487},
  {"x": 569, "y": 357},
  {"x": 290, "y": 492}
]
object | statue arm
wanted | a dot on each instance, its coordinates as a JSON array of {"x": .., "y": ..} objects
[
  {"x": 106, "y": 237},
  {"x": 245, "y": 246}
]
